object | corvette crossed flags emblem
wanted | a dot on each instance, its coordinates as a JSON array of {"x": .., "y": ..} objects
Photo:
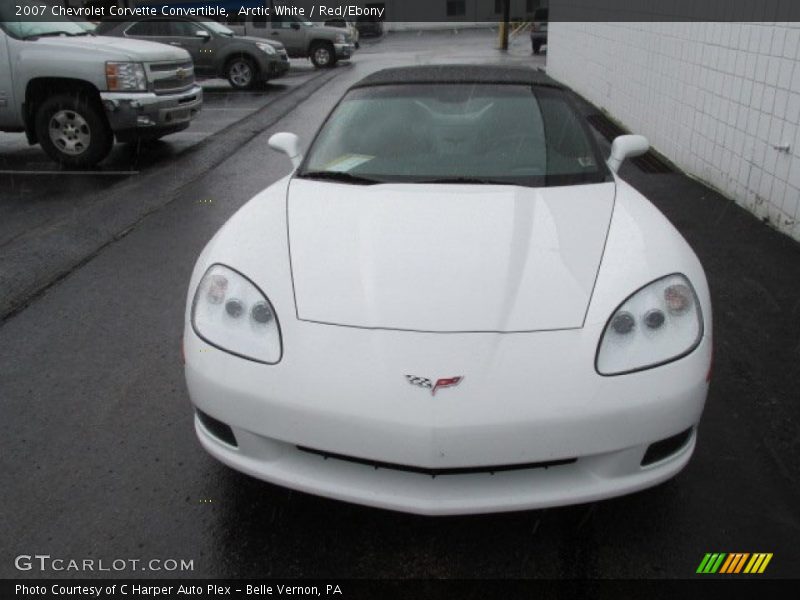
[{"x": 428, "y": 384}]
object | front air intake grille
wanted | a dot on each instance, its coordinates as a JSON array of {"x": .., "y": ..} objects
[
  {"x": 665, "y": 448},
  {"x": 172, "y": 78},
  {"x": 218, "y": 429},
  {"x": 437, "y": 472}
]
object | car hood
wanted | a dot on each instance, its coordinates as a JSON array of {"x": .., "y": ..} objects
[
  {"x": 446, "y": 258},
  {"x": 113, "y": 48}
]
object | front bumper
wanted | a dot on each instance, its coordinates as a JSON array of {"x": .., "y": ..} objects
[
  {"x": 136, "y": 114},
  {"x": 524, "y": 399},
  {"x": 344, "y": 51}
]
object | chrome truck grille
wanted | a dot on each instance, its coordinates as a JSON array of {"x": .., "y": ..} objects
[{"x": 171, "y": 77}]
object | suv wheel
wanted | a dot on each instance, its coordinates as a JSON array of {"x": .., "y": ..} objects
[
  {"x": 72, "y": 130},
  {"x": 323, "y": 55},
  {"x": 242, "y": 73}
]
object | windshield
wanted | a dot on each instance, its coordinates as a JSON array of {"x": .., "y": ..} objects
[
  {"x": 29, "y": 29},
  {"x": 472, "y": 133},
  {"x": 218, "y": 28}
]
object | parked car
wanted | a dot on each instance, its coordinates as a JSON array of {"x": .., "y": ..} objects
[
  {"x": 302, "y": 38},
  {"x": 369, "y": 26},
  {"x": 350, "y": 26},
  {"x": 216, "y": 50},
  {"x": 539, "y": 30},
  {"x": 453, "y": 304},
  {"x": 73, "y": 92}
]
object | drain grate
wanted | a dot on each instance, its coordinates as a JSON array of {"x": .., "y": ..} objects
[{"x": 648, "y": 163}]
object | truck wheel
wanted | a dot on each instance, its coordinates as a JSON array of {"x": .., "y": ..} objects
[
  {"x": 242, "y": 73},
  {"x": 323, "y": 55},
  {"x": 537, "y": 47},
  {"x": 72, "y": 130}
]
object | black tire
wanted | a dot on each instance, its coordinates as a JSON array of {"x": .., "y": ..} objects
[
  {"x": 323, "y": 55},
  {"x": 242, "y": 73},
  {"x": 537, "y": 47},
  {"x": 72, "y": 129}
]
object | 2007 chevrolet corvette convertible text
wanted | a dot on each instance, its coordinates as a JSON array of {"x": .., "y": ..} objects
[{"x": 452, "y": 305}]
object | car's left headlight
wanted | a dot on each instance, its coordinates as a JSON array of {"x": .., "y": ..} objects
[
  {"x": 266, "y": 48},
  {"x": 231, "y": 313},
  {"x": 341, "y": 38},
  {"x": 657, "y": 324}
]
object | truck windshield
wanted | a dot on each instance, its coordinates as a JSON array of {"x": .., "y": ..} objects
[
  {"x": 57, "y": 25},
  {"x": 455, "y": 133}
]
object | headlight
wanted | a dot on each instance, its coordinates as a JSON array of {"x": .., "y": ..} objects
[
  {"x": 340, "y": 38},
  {"x": 231, "y": 313},
  {"x": 658, "y": 324},
  {"x": 126, "y": 77},
  {"x": 267, "y": 48}
]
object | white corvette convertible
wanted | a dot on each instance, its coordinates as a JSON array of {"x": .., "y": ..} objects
[{"x": 452, "y": 305}]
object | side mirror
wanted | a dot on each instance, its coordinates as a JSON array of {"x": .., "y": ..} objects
[
  {"x": 202, "y": 34},
  {"x": 289, "y": 144},
  {"x": 626, "y": 146},
  {"x": 295, "y": 26}
]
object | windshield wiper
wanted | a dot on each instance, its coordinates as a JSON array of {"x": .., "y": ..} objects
[
  {"x": 479, "y": 180},
  {"x": 341, "y": 176}
]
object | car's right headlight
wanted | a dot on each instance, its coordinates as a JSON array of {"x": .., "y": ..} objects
[
  {"x": 125, "y": 77},
  {"x": 657, "y": 324},
  {"x": 231, "y": 313},
  {"x": 341, "y": 38},
  {"x": 266, "y": 48}
]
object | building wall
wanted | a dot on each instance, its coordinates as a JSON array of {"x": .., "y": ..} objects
[{"x": 715, "y": 98}]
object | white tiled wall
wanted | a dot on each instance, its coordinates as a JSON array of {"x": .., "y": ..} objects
[{"x": 715, "y": 98}]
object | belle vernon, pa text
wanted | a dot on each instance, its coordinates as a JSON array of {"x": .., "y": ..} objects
[{"x": 126, "y": 589}]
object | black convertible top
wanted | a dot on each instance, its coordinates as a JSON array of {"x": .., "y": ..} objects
[{"x": 458, "y": 74}]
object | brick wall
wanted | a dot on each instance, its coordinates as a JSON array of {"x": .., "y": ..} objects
[{"x": 715, "y": 98}]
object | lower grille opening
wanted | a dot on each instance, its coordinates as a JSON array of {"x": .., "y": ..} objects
[
  {"x": 437, "y": 472},
  {"x": 218, "y": 429},
  {"x": 664, "y": 448}
]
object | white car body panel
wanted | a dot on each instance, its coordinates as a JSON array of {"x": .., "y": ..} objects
[
  {"x": 446, "y": 258},
  {"x": 526, "y": 397}
]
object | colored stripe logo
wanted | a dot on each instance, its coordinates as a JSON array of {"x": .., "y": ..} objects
[{"x": 734, "y": 563}]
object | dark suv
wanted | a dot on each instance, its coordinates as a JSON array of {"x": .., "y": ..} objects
[{"x": 216, "y": 50}]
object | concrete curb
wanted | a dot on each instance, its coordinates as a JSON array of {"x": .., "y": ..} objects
[{"x": 35, "y": 261}]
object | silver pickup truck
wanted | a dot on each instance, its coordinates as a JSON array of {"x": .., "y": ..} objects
[{"x": 73, "y": 92}]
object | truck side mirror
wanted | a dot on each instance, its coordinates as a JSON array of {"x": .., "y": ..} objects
[
  {"x": 626, "y": 146},
  {"x": 202, "y": 34},
  {"x": 295, "y": 25},
  {"x": 289, "y": 144}
]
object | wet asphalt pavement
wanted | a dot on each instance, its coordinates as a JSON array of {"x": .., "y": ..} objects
[{"x": 99, "y": 457}]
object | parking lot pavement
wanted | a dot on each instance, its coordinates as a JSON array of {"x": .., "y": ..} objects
[{"x": 100, "y": 458}]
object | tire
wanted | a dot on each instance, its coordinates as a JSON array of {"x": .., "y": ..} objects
[
  {"x": 537, "y": 47},
  {"x": 323, "y": 55},
  {"x": 72, "y": 129},
  {"x": 242, "y": 73}
]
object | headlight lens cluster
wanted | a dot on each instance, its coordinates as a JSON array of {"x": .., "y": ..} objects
[
  {"x": 658, "y": 324},
  {"x": 126, "y": 77},
  {"x": 266, "y": 48},
  {"x": 231, "y": 313},
  {"x": 341, "y": 38}
]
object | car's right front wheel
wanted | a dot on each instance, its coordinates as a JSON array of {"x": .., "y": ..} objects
[
  {"x": 323, "y": 55},
  {"x": 242, "y": 73},
  {"x": 72, "y": 130}
]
